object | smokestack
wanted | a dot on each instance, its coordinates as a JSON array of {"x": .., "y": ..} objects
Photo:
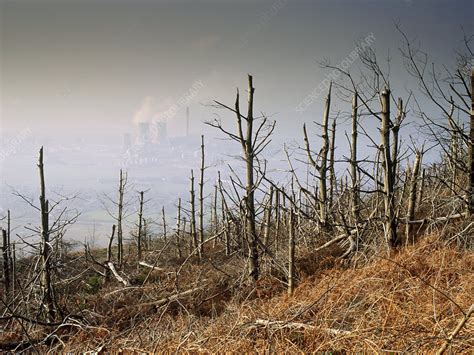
[
  {"x": 187, "y": 121},
  {"x": 127, "y": 141},
  {"x": 143, "y": 132}
]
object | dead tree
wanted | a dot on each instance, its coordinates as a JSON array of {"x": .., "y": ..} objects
[
  {"x": 268, "y": 217},
  {"x": 9, "y": 251},
  {"x": 395, "y": 129},
  {"x": 471, "y": 148},
  {"x": 332, "y": 171},
  {"x": 354, "y": 164},
  {"x": 252, "y": 142},
  {"x": 120, "y": 207},
  {"x": 214, "y": 210},
  {"x": 178, "y": 229},
  {"x": 291, "y": 253},
  {"x": 225, "y": 215},
  {"x": 277, "y": 216},
  {"x": 13, "y": 268},
  {"x": 6, "y": 263},
  {"x": 421, "y": 188},
  {"x": 163, "y": 218},
  {"x": 109, "y": 251},
  {"x": 201, "y": 201},
  {"x": 140, "y": 223},
  {"x": 46, "y": 250},
  {"x": 116, "y": 208},
  {"x": 192, "y": 217},
  {"x": 412, "y": 195},
  {"x": 322, "y": 166},
  {"x": 451, "y": 96},
  {"x": 388, "y": 171}
]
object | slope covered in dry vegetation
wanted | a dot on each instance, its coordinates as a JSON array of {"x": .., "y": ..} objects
[
  {"x": 375, "y": 256},
  {"x": 409, "y": 300}
]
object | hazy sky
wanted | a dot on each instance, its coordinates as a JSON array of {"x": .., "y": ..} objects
[{"x": 84, "y": 68}]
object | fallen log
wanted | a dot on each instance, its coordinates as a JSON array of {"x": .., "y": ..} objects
[
  {"x": 153, "y": 267},
  {"x": 434, "y": 220},
  {"x": 401, "y": 220},
  {"x": 294, "y": 325},
  {"x": 165, "y": 300},
  {"x": 455, "y": 332},
  {"x": 119, "y": 278}
]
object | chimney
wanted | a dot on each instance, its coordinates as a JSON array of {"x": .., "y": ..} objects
[{"x": 143, "y": 132}]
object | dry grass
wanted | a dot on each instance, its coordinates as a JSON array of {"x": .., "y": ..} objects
[{"x": 409, "y": 301}]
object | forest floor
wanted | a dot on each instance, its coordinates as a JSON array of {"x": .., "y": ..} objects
[{"x": 409, "y": 301}]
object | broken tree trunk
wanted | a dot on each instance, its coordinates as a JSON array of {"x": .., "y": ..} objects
[
  {"x": 225, "y": 215},
  {"x": 6, "y": 263},
  {"x": 291, "y": 253},
  {"x": 9, "y": 250},
  {"x": 140, "y": 221},
  {"x": 119, "y": 278},
  {"x": 163, "y": 216},
  {"x": 268, "y": 217},
  {"x": 201, "y": 200},
  {"x": 192, "y": 202},
  {"x": 332, "y": 172},
  {"x": 121, "y": 192},
  {"x": 354, "y": 163},
  {"x": 153, "y": 267},
  {"x": 388, "y": 172},
  {"x": 412, "y": 197},
  {"x": 322, "y": 166},
  {"x": 109, "y": 251},
  {"x": 471, "y": 150},
  {"x": 46, "y": 251},
  {"x": 178, "y": 229},
  {"x": 248, "y": 145},
  {"x": 419, "y": 195}
]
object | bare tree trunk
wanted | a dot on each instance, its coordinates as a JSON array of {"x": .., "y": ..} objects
[
  {"x": 109, "y": 251},
  {"x": 453, "y": 150},
  {"x": 10, "y": 259},
  {"x": 354, "y": 164},
  {"x": 249, "y": 198},
  {"x": 201, "y": 201},
  {"x": 193, "y": 216},
  {"x": 45, "y": 278},
  {"x": 388, "y": 167},
  {"x": 412, "y": 196},
  {"x": 252, "y": 144},
  {"x": 13, "y": 269},
  {"x": 146, "y": 235},
  {"x": 216, "y": 216},
  {"x": 277, "y": 217},
  {"x": 163, "y": 216},
  {"x": 6, "y": 263},
  {"x": 395, "y": 134},
  {"x": 421, "y": 188},
  {"x": 268, "y": 217},
  {"x": 178, "y": 229},
  {"x": 225, "y": 216},
  {"x": 291, "y": 253},
  {"x": 332, "y": 172},
  {"x": 140, "y": 221},
  {"x": 119, "y": 219},
  {"x": 322, "y": 167},
  {"x": 119, "y": 278},
  {"x": 471, "y": 149}
]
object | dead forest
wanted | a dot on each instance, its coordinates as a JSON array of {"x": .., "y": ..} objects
[{"x": 364, "y": 250}]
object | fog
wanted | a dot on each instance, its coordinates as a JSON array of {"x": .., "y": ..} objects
[{"x": 106, "y": 85}]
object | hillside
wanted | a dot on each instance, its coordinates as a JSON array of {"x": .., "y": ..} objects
[{"x": 410, "y": 301}]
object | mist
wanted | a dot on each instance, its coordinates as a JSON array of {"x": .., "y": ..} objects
[{"x": 108, "y": 85}]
